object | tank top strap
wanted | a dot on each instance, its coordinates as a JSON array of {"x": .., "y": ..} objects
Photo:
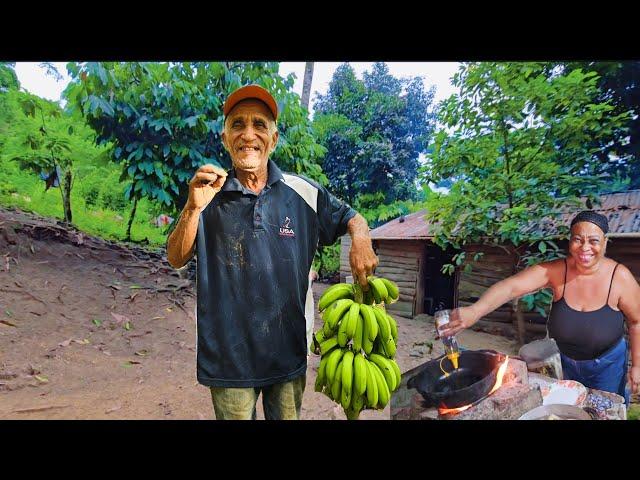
[
  {"x": 564, "y": 284},
  {"x": 611, "y": 283}
]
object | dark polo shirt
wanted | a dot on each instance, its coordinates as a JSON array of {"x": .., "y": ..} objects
[{"x": 254, "y": 254}]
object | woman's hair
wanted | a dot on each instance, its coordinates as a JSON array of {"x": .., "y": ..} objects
[{"x": 593, "y": 217}]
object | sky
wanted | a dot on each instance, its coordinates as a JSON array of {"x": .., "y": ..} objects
[{"x": 33, "y": 78}]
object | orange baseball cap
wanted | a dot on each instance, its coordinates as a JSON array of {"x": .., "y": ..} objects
[{"x": 250, "y": 91}]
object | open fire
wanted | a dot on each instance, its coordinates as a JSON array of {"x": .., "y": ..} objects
[{"x": 499, "y": 376}]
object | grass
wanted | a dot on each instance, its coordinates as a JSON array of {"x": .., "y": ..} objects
[
  {"x": 95, "y": 189},
  {"x": 634, "y": 412}
]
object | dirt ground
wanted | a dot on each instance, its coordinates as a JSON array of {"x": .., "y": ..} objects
[{"x": 97, "y": 333}]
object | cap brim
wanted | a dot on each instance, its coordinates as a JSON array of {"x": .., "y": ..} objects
[{"x": 251, "y": 91}]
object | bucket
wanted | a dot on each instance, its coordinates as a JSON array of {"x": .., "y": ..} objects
[{"x": 543, "y": 357}]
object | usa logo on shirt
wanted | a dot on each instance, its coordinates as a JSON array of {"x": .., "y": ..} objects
[{"x": 286, "y": 230}]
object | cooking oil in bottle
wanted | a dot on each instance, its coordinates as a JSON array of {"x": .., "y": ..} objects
[{"x": 451, "y": 349}]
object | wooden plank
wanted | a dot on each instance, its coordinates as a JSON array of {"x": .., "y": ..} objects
[
  {"x": 395, "y": 270},
  {"x": 398, "y": 253},
  {"x": 394, "y": 260}
]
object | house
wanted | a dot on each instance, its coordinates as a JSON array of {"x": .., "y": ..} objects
[{"x": 409, "y": 257}]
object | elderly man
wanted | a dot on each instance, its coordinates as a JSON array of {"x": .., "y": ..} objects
[{"x": 255, "y": 231}]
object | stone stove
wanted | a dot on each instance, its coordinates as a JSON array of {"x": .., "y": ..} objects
[{"x": 514, "y": 398}]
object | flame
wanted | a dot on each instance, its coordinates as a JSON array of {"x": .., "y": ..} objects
[
  {"x": 501, "y": 371},
  {"x": 499, "y": 376}
]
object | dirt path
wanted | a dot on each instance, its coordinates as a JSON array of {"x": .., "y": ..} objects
[{"x": 85, "y": 333}]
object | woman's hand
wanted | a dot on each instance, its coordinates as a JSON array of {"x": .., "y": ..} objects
[
  {"x": 460, "y": 319},
  {"x": 634, "y": 379}
]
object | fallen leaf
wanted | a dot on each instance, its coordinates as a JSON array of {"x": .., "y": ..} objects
[
  {"x": 8, "y": 313},
  {"x": 41, "y": 378},
  {"x": 6, "y": 322},
  {"x": 97, "y": 322},
  {"x": 135, "y": 287},
  {"x": 84, "y": 341},
  {"x": 169, "y": 309},
  {"x": 142, "y": 353},
  {"x": 157, "y": 318},
  {"x": 65, "y": 343},
  {"x": 115, "y": 287},
  {"x": 18, "y": 284},
  {"x": 127, "y": 326},
  {"x": 132, "y": 296}
]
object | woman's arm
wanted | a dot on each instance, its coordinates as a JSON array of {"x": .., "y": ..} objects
[
  {"x": 629, "y": 303},
  {"x": 528, "y": 280}
]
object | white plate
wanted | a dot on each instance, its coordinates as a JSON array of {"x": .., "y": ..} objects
[{"x": 564, "y": 392}]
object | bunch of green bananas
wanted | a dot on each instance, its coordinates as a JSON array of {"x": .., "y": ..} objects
[{"x": 357, "y": 344}]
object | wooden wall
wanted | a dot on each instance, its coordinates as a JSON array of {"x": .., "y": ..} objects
[
  {"x": 399, "y": 261},
  {"x": 496, "y": 264}
]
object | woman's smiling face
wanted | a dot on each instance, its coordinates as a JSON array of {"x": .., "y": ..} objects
[{"x": 587, "y": 244}]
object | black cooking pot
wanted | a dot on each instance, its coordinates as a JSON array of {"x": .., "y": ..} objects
[{"x": 471, "y": 381}]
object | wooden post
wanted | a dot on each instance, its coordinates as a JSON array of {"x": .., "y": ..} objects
[{"x": 519, "y": 320}]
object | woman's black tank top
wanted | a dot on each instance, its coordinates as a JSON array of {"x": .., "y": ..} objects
[{"x": 585, "y": 335}]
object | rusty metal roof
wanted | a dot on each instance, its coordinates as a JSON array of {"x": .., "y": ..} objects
[
  {"x": 622, "y": 210},
  {"x": 412, "y": 227}
]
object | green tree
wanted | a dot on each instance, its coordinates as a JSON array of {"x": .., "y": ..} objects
[
  {"x": 165, "y": 119},
  {"x": 518, "y": 142},
  {"x": 45, "y": 141},
  {"x": 618, "y": 154},
  {"x": 374, "y": 130},
  {"x": 8, "y": 78}
]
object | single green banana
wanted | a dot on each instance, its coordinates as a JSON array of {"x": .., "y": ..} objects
[
  {"x": 343, "y": 339},
  {"x": 332, "y": 364},
  {"x": 370, "y": 321},
  {"x": 380, "y": 288},
  {"x": 354, "y": 313},
  {"x": 372, "y": 386},
  {"x": 393, "y": 325},
  {"x": 392, "y": 289},
  {"x": 390, "y": 348},
  {"x": 359, "y": 374},
  {"x": 367, "y": 344},
  {"x": 386, "y": 369},
  {"x": 383, "y": 324},
  {"x": 374, "y": 291},
  {"x": 336, "y": 385},
  {"x": 396, "y": 370},
  {"x": 347, "y": 379},
  {"x": 319, "y": 336},
  {"x": 321, "y": 378},
  {"x": 383, "y": 389},
  {"x": 335, "y": 312},
  {"x": 357, "y": 337},
  {"x": 333, "y": 293},
  {"x": 328, "y": 345}
]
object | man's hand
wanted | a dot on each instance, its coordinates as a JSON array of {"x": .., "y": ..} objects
[
  {"x": 460, "y": 319},
  {"x": 363, "y": 261},
  {"x": 205, "y": 184}
]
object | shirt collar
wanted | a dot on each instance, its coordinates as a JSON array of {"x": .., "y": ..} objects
[{"x": 232, "y": 184}]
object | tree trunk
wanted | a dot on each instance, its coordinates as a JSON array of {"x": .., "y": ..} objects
[
  {"x": 131, "y": 217},
  {"x": 65, "y": 189},
  {"x": 306, "y": 85}
]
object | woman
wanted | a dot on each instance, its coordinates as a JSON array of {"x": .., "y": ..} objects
[{"x": 592, "y": 294}]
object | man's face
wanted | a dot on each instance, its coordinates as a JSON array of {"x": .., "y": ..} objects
[{"x": 250, "y": 135}]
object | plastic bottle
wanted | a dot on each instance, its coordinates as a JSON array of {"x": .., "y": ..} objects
[{"x": 450, "y": 343}]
